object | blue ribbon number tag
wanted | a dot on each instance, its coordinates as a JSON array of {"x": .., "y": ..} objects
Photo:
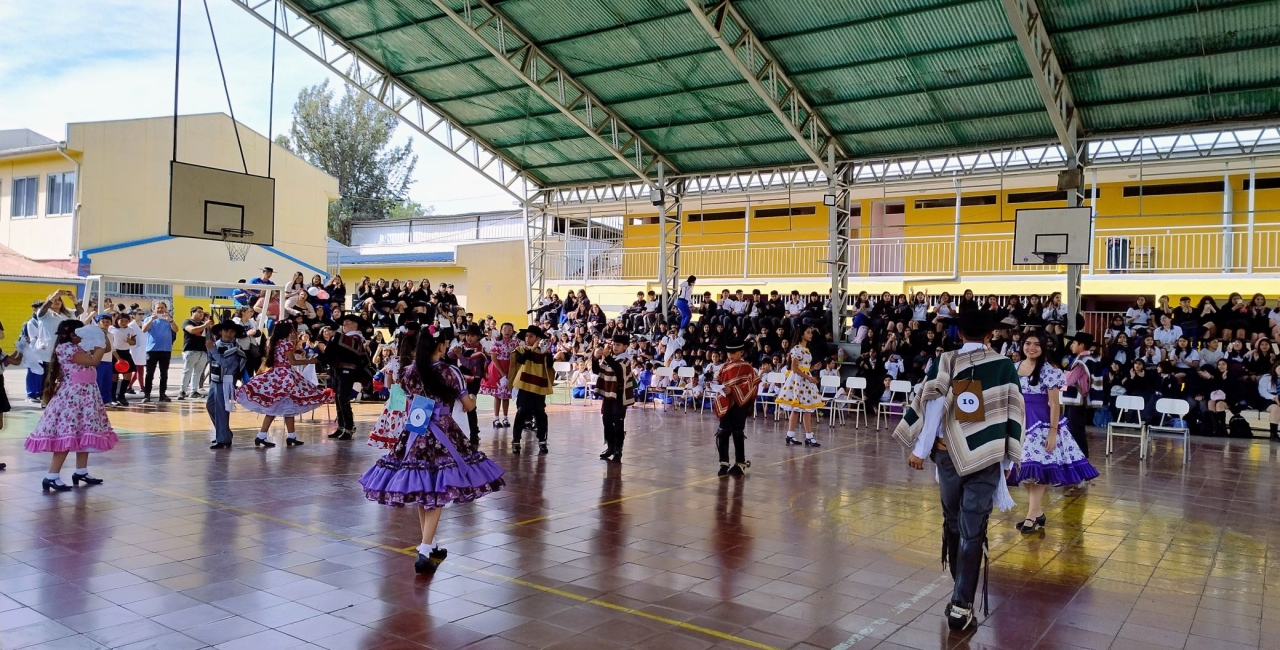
[{"x": 419, "y": 418}]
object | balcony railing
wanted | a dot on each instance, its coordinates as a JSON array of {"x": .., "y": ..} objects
[{"x": 1199, "y": 249}]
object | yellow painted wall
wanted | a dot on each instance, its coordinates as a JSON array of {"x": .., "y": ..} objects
[
  {"x": 45, "y": 236},
  {"x": 125, "y": 196},
  {"x": 15, "y": 305}
]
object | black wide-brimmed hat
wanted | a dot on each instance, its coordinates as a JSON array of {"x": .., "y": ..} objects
[
  {"x": 1083, "y": 338},
  {"x": 974, "y": 320},
  {"x": 734, "y": 344},
  {"x": 534, "y": 330},
  {"x": 228, "y": 325},
  {"x": 622, "y": 339},
  {"x": 474, "y": 330},
  {"x": 350, "y": 317}
]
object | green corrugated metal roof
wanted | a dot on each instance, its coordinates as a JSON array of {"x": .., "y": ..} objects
[{"x": 888, "y": 76}]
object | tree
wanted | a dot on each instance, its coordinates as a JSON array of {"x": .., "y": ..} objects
[
  {"x": 350, "y": 140},
  {"x": 410, "y": 209}
]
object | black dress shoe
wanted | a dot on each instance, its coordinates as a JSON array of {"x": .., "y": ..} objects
[
  {"x": 337, "y": 434},
  {"x": 427, "y": 564},
  {"x": 515, "y": 448},
  {"x": 146, "y": 400},
  {"x": 606, "y": 454},
  {"x": 259, "y": 442},
  {"x": 792, "y": 441},
  {"x": 88, "y": 480},
  {"x": 292, "y": 442},
  {"x": 738, "y": 470},
  {"x": 542, "y": 448},
  {"x": 165, "y": 398},
  {"x": 617, "y": 457},
  {"x": 724, "y": 470},
  {"x": 50, "y": 484},
  {"x": 346, "y": 435},
  {"x": 2, "y": 465},
  {"x": 810, "y": 442},
  {"x": 220, "y": 445}
]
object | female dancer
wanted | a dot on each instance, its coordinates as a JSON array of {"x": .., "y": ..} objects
[
  {"x": 282, "y": 390},
  {"x": 799, "y": 393},
  {"x": 73, "y": 418},
  {"x": 1050, "y": 455},
  {"x": 495, "y": 380},
  {"x": 387, "y": 430},
  {"x": 440, "y": 466}
]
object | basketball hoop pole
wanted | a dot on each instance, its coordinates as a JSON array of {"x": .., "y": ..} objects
[{"x": 1073, "y": 270}]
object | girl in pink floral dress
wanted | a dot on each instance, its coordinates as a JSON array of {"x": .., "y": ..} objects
[
  {"x": 282, "y": 391},
  {"x": 387, "y": 430},
  {"x": 495, "y": 381},
  {"x": 74, "y": 419}
]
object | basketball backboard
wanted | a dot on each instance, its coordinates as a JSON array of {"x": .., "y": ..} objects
[
  {"x": 204, "y": 201},
  {"x": 1052, "y": 236}
]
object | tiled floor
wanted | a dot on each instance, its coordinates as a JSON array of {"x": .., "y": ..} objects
[{"x": 830, "y": 548}]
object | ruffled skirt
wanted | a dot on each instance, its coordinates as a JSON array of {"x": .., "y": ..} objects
[
  {"x": 1065, "y": 465},
  {"x": 428, "y": 474}
]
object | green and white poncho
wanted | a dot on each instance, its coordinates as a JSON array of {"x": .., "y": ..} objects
[{"x": 972, "y": 445}]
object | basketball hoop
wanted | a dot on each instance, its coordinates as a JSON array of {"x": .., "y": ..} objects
[{"x": 237, "y": 241}]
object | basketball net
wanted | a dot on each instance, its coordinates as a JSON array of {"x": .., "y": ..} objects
[{"x": 237, "y": 242}]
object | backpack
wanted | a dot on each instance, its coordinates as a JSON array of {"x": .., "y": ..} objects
[{"x": 1239, "y": 427}]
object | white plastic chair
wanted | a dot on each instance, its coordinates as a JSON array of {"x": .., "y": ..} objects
[
  {"x": 781, "y": 378},
  {"x": 1129, "y": 404},
  {"x": 1176, "y": 408},
  {"x": 712, "y": 392},
  {"x": 774, "y": 379},
  {"x": 828, "y": 385},
  {"x": 563, "y": 370},
  {"x": 855, "y": 402},
  {"x": 682, "y": 374},
  {"x": 899, "y": 390},
  {"x": 661, "y": 392}
]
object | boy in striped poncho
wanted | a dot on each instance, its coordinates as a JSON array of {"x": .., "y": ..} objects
[
  {"x": 968, "y": 419},
  {"x": 614, "y": 387}
]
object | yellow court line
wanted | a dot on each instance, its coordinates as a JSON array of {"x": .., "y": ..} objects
[
  {"x": 517, "y": 581},
  {"x": 562, "y": 515}
]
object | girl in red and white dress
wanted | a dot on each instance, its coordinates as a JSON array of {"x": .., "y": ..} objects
[
  {"x": 495, "y": 380},
  {"x": 282, "y": 391},
  {"x": 387, "y": 430}
]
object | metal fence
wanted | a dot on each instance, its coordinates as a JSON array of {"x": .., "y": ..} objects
[{"x": 1198, "y": 249}]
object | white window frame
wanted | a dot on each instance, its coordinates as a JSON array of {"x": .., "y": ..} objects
[
  {"x": 14, "y": 199},
  {"x": 65, "y": 204}
]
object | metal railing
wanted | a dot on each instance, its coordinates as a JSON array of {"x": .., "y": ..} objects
[{"x": 1197, "y": 249}]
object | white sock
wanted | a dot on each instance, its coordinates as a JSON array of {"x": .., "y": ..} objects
[
  {"x": 424, "y": 549},
  {"x": 791, "y": 434},
  {"x": 262, "y": 435},
  {"x": 808, "y": 435},
  {"x": 52, "y": 477},
  {"x": 82, "y": 471},
  {"x": 293, "y": 435}
]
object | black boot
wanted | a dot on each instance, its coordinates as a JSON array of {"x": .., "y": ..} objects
[
  {"x": 606, "y": 453},
  {"x": 1275, "y": 433}
]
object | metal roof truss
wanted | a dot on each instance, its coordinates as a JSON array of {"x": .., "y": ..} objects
[{"x": 1046, "y": 71}]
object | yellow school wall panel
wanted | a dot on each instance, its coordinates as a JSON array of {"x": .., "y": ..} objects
[
  {"x": 15, "y": 305},
  {"x": 495, "y": 279},
  {"x": 125, "y": 185},
  {"x": 44, "y": 236}
]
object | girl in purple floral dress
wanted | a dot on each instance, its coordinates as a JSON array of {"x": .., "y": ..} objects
[
  {"x": 442, "y": 466},
  {"x": 1050, "y": 456},
  {"x": 74, "y": 419}
]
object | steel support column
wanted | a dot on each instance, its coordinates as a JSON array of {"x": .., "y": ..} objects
[
  {"x": 1075, "y": 196},
  {"x": 493, "y": 31},
  {"x": 670, "y": 221},
  {"x": 839, "y": 215},
  {"x": 535, "y": 241}
]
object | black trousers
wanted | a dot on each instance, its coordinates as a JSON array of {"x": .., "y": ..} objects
[
  {"x": 161, "y": 360},
  {"x": 732, "y": 426},
  {"x": 473, "y": 421},
  {"x": 966, "y": 507},
  {"x": 343, "y": 381},
  {"x": 1078, "y": 418},
  {"x": 530, "y": 406},
  {"x": 615, "y": 417}
]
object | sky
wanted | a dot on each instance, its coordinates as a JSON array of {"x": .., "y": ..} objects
[{"x": 75, "y": 61}]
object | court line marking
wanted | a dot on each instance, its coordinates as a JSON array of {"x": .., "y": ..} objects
[
  {"x": 516, "y": 581},
  {"x": 901, "y": 607}
]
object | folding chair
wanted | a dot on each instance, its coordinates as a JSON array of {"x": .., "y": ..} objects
[
  {"x": 661, "y": 392},
  {"x": 712, "y": 392},
  {"x": 855, "y": 402},
  {"x": 775, "y": 379},
  {"x": 1178, "y": 408},
  {"x": 562, "y": 369},
  {"x": 828, "y": 385},
  {"x": 1129, "y": 404},
  {"x": 899, "y": 390},
  {"x": 683, "y": 374}
]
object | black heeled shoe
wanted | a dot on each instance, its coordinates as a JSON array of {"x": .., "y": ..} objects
[
  {"x": 220, "y": 445},
  {"x": 792, "y": 441},
  {"x": 542, "y": 448},
  {"x": 427, "y": 564},
  {"x": 88, "y": 480},
  {"x": 606, "y": 454},
  {"x": 294, "y": 442},
  {"x": 262, "y": 442},
  {"x": 50, "y": 484},
  {"x": 810, "y": 442},
  {"x": 1036, "y": 524}
]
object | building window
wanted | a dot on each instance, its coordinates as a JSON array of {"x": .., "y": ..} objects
[
  {"x": 643, "y": 221},
  {"x": 1204, "y": 187},
  {"x": 23, "y": 203},
  {"x": 715, "y": 216},
  {"x": 61, "y": 192},
  {"x": 985, "y": 199},
  {"x": 770, "y": 213}
]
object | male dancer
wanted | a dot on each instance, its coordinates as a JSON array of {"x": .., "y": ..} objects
[
  {"x": 531, "y": 374},
  {"x": 735, "y": 402},
  {"x": 615, "y": 388},
  {"x": 1083, "y": 387},
  {"x": 472, "y": 362},
  {"x": 226, "y": 362},
  {"x": 968, "y": 419},
  {"x": 348, "y": 364}
]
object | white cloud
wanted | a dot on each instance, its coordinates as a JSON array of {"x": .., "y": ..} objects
[{"x": 73, "y": 61}]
